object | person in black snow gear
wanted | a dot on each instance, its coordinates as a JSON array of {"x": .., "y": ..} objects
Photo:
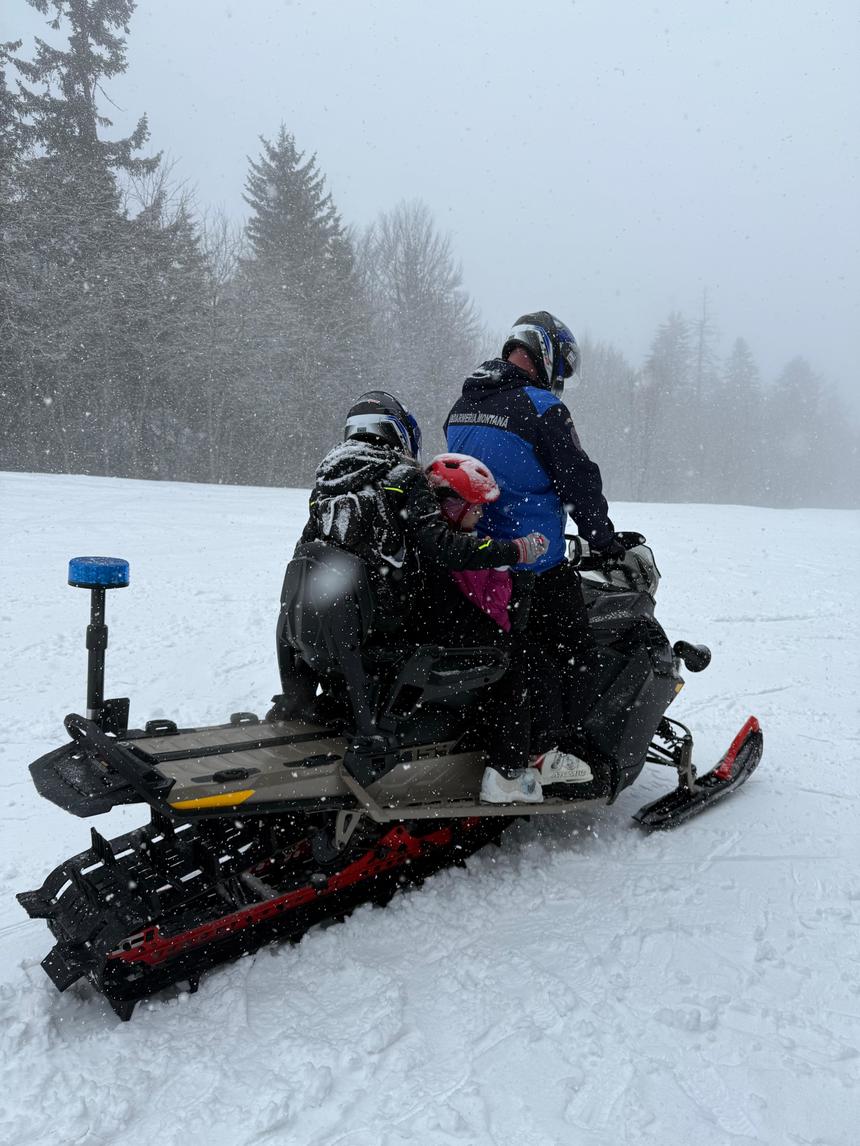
[
  {"x": 512, "y": 418},
  {"x": 372, "y": 498}
]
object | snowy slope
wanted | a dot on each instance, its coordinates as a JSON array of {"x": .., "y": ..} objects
[{"x": 585, "y": 984}]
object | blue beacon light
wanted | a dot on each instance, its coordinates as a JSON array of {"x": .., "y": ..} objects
[{"x": 98, "y": 574}]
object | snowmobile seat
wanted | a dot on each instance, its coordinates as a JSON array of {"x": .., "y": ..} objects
[{"x": 326, "y": 621}]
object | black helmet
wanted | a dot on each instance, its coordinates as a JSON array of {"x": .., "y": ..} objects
[
  {"x": 550, "y": 345},
  {"x": 378, "y": 414}
]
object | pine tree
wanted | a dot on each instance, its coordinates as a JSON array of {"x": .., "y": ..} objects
[
  {"x": 64, "y": 116},
  {"x": 295, "y": 233},
  {"x": 71, "y": 223},
  {"x": 15, "y": 411},
  {"x": 704, "y": 336},
  {"x": 108, "y": 349},
  {"x": 425, "y": 327},
  {"x": 797, "y": 441},
  {"x": 224, "y": 367},
  {"x": 306, "y": 317},
  {"x": 736, "y": 430},
  {"x": 603, "y": 405},
  {"x": 664, "y": 404},
  {"x": 11, "y": 118},
  {"x": 161, "y": 429},
  {"x": 812, "y": 441}
]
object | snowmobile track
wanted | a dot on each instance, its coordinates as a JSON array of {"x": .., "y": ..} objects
[{"x": 157, "y": 906}]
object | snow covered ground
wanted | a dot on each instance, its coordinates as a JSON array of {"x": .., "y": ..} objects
[{"x": 584, "y": 985}]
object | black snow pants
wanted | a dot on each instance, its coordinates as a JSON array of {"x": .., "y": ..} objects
[
  {"x": 446, "y": 617},
  {"x": 549, "y": 687},
  {"x": 560, "y": 656}
]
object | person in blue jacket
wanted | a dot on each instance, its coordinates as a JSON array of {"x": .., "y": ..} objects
[{"x": 512, "y": 418}]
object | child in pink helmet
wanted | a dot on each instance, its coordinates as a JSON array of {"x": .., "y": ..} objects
[{"x": 481, "y": 607}]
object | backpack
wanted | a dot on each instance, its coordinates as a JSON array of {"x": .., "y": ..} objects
[{"x": 357, "y": 505}]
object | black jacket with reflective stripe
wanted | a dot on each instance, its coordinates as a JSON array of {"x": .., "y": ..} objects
[{"x": 398, "y": 512}]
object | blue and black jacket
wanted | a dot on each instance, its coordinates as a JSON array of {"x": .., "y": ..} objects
[{"x": 527, "y": 438}]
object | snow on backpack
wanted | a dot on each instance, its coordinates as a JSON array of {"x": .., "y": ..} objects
[{"x": 362, "y": 521}]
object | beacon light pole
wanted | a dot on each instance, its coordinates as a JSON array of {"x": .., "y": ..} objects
[{"x": 99, "y": 574}]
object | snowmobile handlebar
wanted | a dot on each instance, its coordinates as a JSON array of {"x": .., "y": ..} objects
[{"x": 581, "y": 555}]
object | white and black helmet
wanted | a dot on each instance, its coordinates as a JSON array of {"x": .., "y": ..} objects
[
  {"x": 550, "y": 345},
  {"x": 378, "y": 414}
]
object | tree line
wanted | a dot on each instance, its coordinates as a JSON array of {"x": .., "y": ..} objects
[
  {"x": 691, "y": 426},
  {"x": 142, "y": 338}
]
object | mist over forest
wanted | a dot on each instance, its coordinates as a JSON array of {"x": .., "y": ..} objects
[{"x": 144, "y": 334}]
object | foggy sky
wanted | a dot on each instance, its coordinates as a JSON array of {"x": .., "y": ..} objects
[{"x": 606, "y": 161}]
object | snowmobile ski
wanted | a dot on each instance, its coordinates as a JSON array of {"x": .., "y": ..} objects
[{"x": 695, "y": 793}]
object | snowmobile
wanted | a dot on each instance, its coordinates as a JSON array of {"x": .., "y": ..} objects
[{"x": 344, "y": 793}]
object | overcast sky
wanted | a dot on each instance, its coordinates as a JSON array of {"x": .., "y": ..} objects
[{"x": 605, "y": 160}]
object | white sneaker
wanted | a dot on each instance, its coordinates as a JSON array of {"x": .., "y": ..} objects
[
  {"x": 556, "y": 767},
  {"x": 521, "y": 788}
]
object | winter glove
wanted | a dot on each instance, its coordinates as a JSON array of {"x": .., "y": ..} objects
[
  {"x": 618, "y": 545},
  {"x": 613, "y": 550},
  {"x": 530, "y": 548}
]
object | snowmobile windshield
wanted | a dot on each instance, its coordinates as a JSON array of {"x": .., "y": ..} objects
[{"x": 636, "y": 571}]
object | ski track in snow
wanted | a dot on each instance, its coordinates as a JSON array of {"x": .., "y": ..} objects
[{"x": 584, "y": 984}]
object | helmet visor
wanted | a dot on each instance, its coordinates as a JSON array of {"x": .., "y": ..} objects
[
  {"x": 566, "y": 363},
  {"x": 537, "y": 342},
  {"x": 384, "y": 426},
  {"x": 414, "y": 431},
  {"x": 569, "y": 359}
]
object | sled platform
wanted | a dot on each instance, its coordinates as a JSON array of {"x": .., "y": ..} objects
[
  {"x": 456, "y": 809},
  {"x": 250, "y": 767},
  {"x": 247, "y": 763}
]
